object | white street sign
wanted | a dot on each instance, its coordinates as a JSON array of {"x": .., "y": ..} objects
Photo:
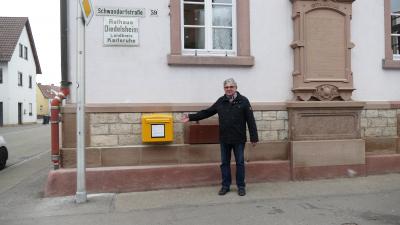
[{"x": 121, "y": 31}]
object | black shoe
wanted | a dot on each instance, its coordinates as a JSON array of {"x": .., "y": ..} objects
[
  {"x": 242, "y": 191},
  {"x": 223, "y": 191}
]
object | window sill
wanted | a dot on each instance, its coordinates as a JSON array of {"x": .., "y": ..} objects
[
  {"x": 391, "y": 64},
  {"x": 211, "y": 60}
]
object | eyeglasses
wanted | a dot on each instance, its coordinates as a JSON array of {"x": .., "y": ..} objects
[{"x": 227, "y": 87}]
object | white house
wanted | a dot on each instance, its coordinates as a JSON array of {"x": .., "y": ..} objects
[{"x": 19, "y": 65}]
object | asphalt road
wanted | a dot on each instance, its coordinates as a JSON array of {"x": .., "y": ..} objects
[
  {"x": 373, "y": 200},
  {"x": 25, "y": 142},
  {"x": 28, "y": 163}
]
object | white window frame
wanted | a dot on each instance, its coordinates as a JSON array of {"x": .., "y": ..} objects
[
  {"x": 20, "y": 79},
  {"x": 30, "y": 109},
  {"x": 208, "y": 27},
  {"x": 25, "y": 52},
  {"x": 21, "y": 51},
  {"x": 30, "y": 81}
]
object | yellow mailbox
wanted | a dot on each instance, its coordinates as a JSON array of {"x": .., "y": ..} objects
[{"x": 157, "y": 128}]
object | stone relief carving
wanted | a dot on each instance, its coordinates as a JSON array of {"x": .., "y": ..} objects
[{"x": 326, "y": 92}]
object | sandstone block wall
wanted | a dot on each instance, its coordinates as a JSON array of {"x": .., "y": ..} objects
[
  {"x": 115, "y": 129},
  {"x": 379, "y": 123},
  {"x": 124, "y": 129}
]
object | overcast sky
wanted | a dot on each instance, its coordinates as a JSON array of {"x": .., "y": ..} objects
[{"x": 44, "y": 17}]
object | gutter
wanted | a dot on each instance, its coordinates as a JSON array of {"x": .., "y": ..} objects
[{"x": 65, "y": 83}]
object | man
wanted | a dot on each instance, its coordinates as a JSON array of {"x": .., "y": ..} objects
[{"x": 234, "y": 111}]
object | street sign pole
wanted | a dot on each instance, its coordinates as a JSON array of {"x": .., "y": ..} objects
[{"x": 81, "y": 195}]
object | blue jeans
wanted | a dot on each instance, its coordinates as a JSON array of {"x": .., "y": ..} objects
[{"x": 238, "y": 151}]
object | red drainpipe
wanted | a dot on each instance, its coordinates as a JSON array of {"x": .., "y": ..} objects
[{"x": 55, "y": 120}]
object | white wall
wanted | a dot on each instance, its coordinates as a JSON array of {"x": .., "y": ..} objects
[
  {"x": 4, "y": 90},
  {"x": 371, "y": 81},
  {"x": 141, "y": 74},
  {"x": 16, "y": 93}
]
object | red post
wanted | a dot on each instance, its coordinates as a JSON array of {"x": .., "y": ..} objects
[{"x": 55, "y": 120}]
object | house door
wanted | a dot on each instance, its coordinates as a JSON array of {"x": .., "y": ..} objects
[
  {"x": 19, "y": 113},
  {"x": 1, "y": 114}
]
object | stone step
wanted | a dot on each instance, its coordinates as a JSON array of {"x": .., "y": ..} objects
[
  {"x": 143, "y": 178},
  {"x": 153, "y": 177}
]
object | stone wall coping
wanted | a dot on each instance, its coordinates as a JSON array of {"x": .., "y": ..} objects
[
  {"x": 193, "y": 107},
  {"x": 327, "y": 104},
  {"x": 162, "y": 107},
  {"x": 383, "y": 105}
]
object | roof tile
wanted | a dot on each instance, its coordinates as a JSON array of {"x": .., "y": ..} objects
[
  {"x": 49, "y": 91},
  {"x": 10, "y": 31}
]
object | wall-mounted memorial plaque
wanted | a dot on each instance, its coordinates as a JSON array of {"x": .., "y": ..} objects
[{"x": 322, "y": 48}]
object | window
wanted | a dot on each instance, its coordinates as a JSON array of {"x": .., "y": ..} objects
[
  {"x": 1, "y": 75},
  {"x": 26, "y": 53},
  {"x": 30, "y": 81},
  {"x": 395, "y": 31},
  {"x": 21, "y": 50},
  {"x": 19, "y": 79},
  {"x": 208, "y": 27},
  {"x": 210, "y": 32},
  {"x": 392, "y": 34},
  {"x": 30, "y": 109}
]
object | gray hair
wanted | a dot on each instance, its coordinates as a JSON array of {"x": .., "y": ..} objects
[{"x": 230, "y": 81}]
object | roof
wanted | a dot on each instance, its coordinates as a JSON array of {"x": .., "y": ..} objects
[
  {"x": 49, "y": 91},
  {"x": 10, "y": 31}
]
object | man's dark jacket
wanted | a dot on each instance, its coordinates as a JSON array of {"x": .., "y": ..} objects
[{"x": 233, "y": 117}]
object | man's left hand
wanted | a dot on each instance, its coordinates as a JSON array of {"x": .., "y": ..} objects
[{"x": 253, "y": 144}]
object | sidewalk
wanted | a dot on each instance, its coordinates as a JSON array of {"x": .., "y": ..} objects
[{"x": 362, "y": 200}]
